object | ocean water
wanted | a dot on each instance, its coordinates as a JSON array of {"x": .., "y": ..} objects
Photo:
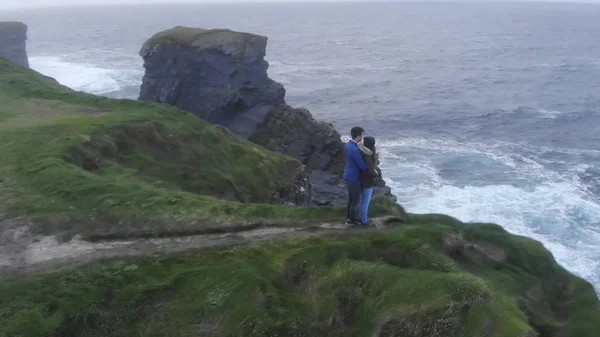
[{"x": 488, "y": 112}]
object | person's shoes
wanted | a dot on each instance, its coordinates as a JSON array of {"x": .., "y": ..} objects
[
  {"x": 369, "y": 223},
  {"x": 350, "y": 223}
]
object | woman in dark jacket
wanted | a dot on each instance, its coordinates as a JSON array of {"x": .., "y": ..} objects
[{"x": 367, "y": 177}]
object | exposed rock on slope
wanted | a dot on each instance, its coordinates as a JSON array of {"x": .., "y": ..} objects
[
  {"x": 315, "y": 143},
  {"x": 221, "y": 76},
  {"x": 13, "y": 42}
]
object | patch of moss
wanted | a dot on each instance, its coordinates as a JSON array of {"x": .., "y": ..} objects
[
  {"x": 9, "y": 27},
  {"x": 203, "y": 38},
  {"x": 183, "y": 35}
]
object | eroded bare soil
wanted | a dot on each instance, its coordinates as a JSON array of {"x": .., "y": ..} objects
[{"x": 21, "y": 251}]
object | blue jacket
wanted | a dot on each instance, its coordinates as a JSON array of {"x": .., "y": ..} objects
[{"x": 354, "y": 162}]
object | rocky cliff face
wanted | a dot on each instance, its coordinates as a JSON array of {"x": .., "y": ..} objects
[
  {"x": 218, "y": 75},
  {"x": 221, "y": 76},
  {"x": 317, "y": 145},
  {"x": 13, "y": 41}
]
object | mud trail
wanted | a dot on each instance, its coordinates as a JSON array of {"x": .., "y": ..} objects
[{"x": 21, "y": 251}]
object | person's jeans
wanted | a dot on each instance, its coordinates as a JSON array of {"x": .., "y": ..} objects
[
  {"x": 367, "y": 193},
  {"x": 354, "y": 192}
]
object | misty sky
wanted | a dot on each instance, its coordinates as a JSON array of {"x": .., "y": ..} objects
[
  {"x": 11, "y": 4},
  {"x": 6, "y": 4},
  {"x": 46, "y": 3},
  {"x": 14, "y": 4}
]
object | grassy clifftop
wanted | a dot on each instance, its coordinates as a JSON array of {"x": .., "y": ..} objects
[
  {"x": 84, "y": 164},
  {"x": 72, "y": 163},
  {"x": 187, "y": 35},
  {"x": 11, "y": 27},
  {"x": 210, "y": 38},
  {"x": 433, "y": 277}
]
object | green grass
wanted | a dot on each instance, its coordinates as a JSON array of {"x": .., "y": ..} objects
[
  {"x": 187, "y": 35},
  {"x": 401, "y": 282},
  {"x": 8, "y": 27},
  {"x": 77, "y": 163}
]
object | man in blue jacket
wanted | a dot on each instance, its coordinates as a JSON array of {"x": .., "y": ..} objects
[{"x": 354, "y": 164}]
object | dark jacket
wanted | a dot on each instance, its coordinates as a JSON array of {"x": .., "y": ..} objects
[
  {"x": 354, "y": 162},
  {"x": 371, "y": 158}
]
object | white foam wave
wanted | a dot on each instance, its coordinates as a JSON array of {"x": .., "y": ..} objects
[
  {"x": 595, "y": 61},
  {"x": 551, "y": 207},
  {"x": 508, "y": 154},
  {"x": 550, "y": 114},
  {"x": 544, "y": 214},
  {"x": 85, "y": 77}
]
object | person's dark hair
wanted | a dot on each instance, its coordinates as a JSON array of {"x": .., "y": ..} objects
[
  {"x": 369, "y": 143},
  {"x": 356, "y": 131}
]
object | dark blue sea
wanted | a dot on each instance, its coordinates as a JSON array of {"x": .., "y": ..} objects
[{"x": 486, "y": 111}]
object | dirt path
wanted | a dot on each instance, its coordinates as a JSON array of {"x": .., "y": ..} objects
[{"x": 22, "y": 252}]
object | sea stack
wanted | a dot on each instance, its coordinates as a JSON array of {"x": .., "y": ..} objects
[
  {"x": 13, "y": 42},
  {"x": 221, "y": 76},
  {"x": 218, "y": 75}
]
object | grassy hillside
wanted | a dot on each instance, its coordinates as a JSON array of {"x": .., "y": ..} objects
[
  {"x": 72, "y": 163},
  {"x": 414, "y": 280},
  {"x": 84, "y": 164}
]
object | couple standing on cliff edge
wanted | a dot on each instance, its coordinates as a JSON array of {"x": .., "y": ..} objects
[{"x": 362, "y": 167}]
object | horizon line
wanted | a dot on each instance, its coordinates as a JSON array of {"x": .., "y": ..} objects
[{"x": 281, "y": 2}]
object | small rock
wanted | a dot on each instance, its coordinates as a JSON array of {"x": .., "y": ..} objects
[{"x": 131, "y": 267}]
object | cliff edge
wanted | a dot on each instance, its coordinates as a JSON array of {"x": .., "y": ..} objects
[
  {"x": 221, "y": 76},
  {"x": 13, "y": 42}
]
